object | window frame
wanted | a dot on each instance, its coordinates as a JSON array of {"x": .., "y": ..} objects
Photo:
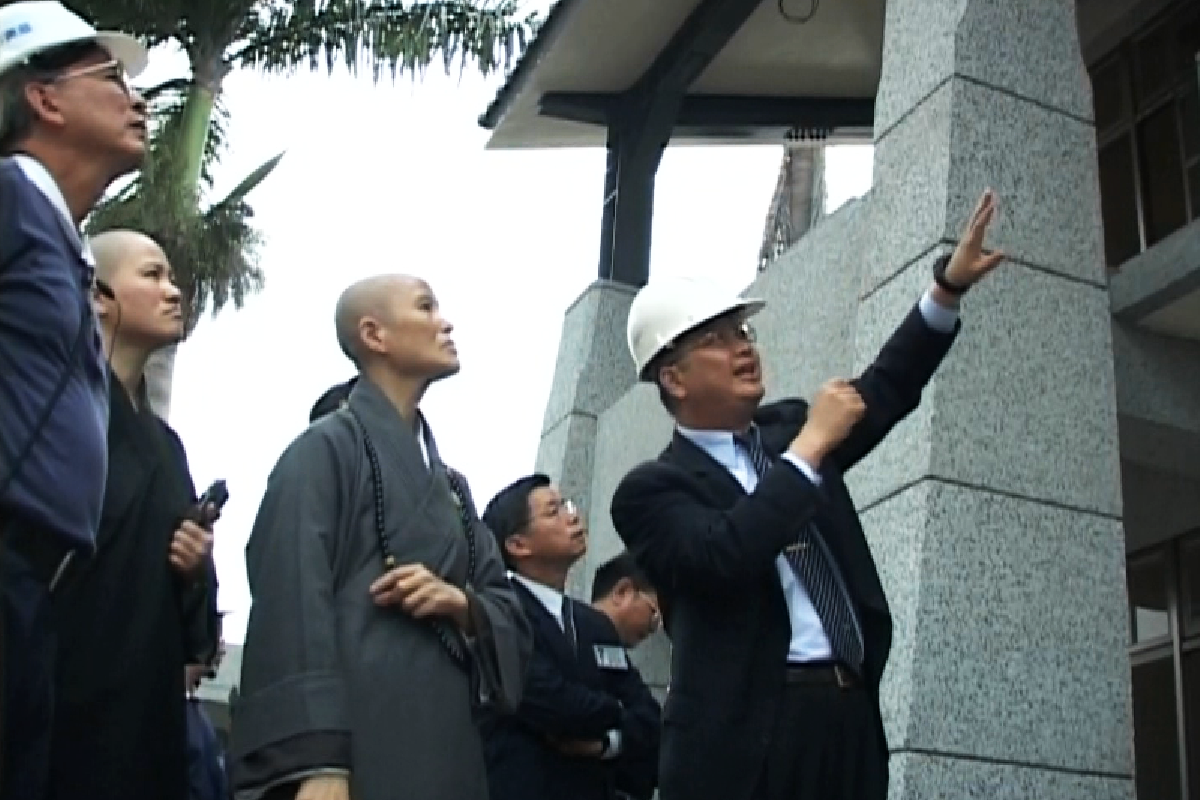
[
  {"x": 1179, "y": 641},
  {"x": 1125, "y": 57}
]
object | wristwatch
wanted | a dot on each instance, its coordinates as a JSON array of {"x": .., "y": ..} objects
[{"x": 939, "y": 277}]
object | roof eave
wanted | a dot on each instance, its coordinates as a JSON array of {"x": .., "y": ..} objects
[{"x": 527, "y": 64}]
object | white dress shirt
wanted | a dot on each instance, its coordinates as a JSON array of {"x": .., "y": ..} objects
[{"x": 809, "y": 642}]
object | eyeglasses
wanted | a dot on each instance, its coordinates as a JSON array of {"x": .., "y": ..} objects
[
  {"x": 563, "y": 506},
  {"x": 655, "y": 614},
  {"x": 726, "y": 336},
  {"x": 728, "y": 333},
  {"x": 109, "y": 70}
]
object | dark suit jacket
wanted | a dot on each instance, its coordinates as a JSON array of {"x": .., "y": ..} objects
[
  {"x": 48, "y": 334},
  {"x": 567, "y": 696},
  {"x": 710, "y": 550}
]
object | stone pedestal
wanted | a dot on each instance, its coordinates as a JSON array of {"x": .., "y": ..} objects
[
  {"x": 593, "y": 371},
  {"x": 995, "y": 511}
]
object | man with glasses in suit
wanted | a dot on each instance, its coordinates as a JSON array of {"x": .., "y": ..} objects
[
  {"x": 583, "y": 705},
  {"x": 779, "y": 625}
]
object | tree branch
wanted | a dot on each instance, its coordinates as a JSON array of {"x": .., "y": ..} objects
[{"x": 388, "y": 34}]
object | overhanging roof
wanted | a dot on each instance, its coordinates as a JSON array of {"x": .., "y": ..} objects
[{"x": 772, "y": 76}]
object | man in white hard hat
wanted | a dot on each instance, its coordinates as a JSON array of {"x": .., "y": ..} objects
[
  {"x": 69, "y": 126},
  {"x": 779, "y": 624}
]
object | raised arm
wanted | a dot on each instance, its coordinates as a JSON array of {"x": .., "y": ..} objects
[{"x": 890, "y": 389}]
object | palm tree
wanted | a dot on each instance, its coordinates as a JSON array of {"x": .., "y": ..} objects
[
  {"x": 212, "y": 247},
  {"x": 215, "y": 251}
]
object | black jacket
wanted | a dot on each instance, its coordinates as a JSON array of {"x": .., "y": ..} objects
[
  {"x": 710, "y": 550},
  {"x": 568, "y": 695}
]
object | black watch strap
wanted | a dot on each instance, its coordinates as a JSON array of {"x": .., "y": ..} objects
[{"x": 939, "y": 277}]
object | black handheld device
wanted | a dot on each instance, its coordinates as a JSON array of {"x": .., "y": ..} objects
[{"x": 216, "y": 496}]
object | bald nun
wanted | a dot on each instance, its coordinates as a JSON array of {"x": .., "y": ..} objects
[
  {"x": 144, "y": 607},
  {"x": 381, "y": 615}
]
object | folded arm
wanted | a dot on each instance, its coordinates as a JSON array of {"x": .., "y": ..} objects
[{"x": 558, "y": 707}]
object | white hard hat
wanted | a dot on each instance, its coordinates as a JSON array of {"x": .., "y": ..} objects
[
  {"x": 30, "y": 28},
  {"x": 667, "y": 308}
]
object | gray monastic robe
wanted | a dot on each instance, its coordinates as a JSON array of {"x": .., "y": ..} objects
[{"x": 330, "y": 680}]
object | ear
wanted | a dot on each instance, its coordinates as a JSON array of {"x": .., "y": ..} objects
[
  {"x": 372, "y": 335},
  {"x": 43, "y": 102},
  {"x": 670, "y": 378},
  {"x": 100, "y": 304},
  {"x": 623, "y": 589},
  {"x": 517, "y": 546}
]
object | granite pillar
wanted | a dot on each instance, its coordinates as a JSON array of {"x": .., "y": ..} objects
[
  {"x": 592, "y": 372},
  {"x": 995, "y": 511}
]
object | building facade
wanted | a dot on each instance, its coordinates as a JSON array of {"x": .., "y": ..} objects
[
  {"x": 1037, "y": 521},
  {"x": 1144, "y": 68}
]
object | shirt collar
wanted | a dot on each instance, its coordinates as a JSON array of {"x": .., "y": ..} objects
[
  {"x": 37, "y": 174},
  {"x": 718, "y": 444},
  {"x": 551, "y": 598}
]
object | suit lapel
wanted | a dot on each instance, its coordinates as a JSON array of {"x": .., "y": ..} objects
[
  {"x": 541, "y": 618},
  {"x": 684, "y": 453}
]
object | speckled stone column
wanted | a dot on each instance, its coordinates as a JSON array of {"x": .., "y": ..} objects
[
  {"x": 995, "y": 511},
  {"x": 592, "y": 372}
]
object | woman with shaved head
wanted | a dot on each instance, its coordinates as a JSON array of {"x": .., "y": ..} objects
[
  {"x": 144, "y": 607},
  {"x": 381, "y": 617}
]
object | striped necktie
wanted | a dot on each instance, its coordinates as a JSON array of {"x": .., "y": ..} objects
[{"x": 818, "y": 573}]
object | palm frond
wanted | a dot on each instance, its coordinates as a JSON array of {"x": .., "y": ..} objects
[
  {"x": 214, "y": 254},
  {"x": 152, "y": 21},
  {"x": 251, "y": 182},
  {"x": 386, "y": 35},
  {"x": 217, "y": 258}
]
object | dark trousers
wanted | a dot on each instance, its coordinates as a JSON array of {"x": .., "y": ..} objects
[
  {"x": 825, "y": 747},
  {"x": 27, "y": 664}
]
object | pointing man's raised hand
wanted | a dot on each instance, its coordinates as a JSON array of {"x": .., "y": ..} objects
[{"x": 970, "y": 262}]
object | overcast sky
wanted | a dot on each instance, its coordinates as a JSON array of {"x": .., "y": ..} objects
[{"x": 395, "y": 178}]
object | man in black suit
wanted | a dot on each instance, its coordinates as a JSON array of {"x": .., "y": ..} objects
[
  {"x": 585, "y": 704},
  {"x": 622, "y": 592},
  {"x": 779, "y": 624}
]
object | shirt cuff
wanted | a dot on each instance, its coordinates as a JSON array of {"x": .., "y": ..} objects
[
  {"x": 936, "y": 315},
  {"x": 807, "y": 470},
  {"x": 612, "y": 745}
]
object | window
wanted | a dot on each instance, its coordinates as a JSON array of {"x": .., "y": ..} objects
[
  {"x": 1164, "y": 608},
  {"x": 1146, "y": 97}
]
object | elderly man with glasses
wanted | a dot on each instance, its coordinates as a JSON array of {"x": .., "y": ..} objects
[
  {"x": 69, "y": 127},
  {"x": 584, "y": 703}
]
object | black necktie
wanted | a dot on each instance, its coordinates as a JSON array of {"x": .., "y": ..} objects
[
  {"x": 568, "y": 621},
  {"x": 818, "y": 573}
]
